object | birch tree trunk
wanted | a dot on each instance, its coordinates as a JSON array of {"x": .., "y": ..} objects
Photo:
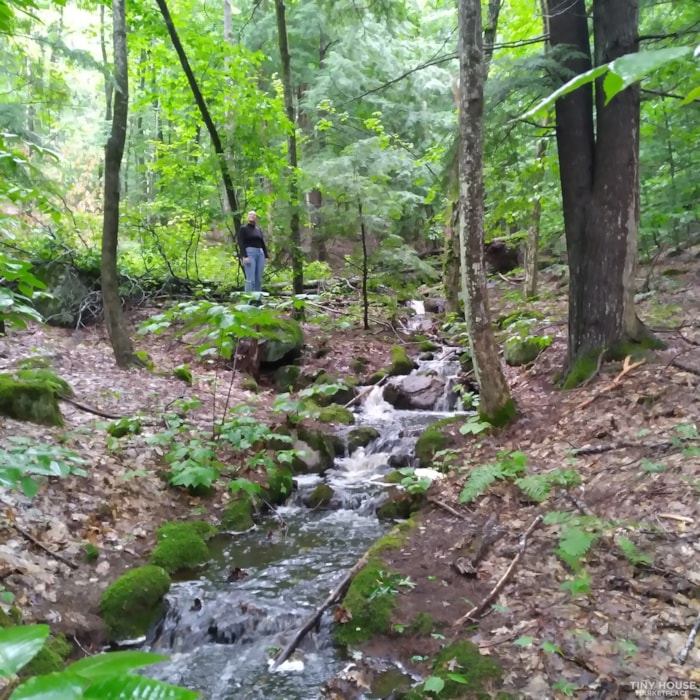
[
  {"x": 114, "y": 151},
  {"x": 495, "y": 404}
]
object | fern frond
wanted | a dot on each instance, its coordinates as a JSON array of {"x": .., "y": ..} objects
[
  {"x": 536, "y": 487},
  {"x": 480, "y": 478},
  {"x": 575, "y": 543}
]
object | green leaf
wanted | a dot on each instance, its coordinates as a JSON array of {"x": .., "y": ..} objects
[
  {"x": 551, "y": 648},
  {"x": 693, "y": 95},
  {"x": 54, "y": 686},
  {"x": 457, "y": 678},
  {"x": 117, "y": 662},
  {"x": 119, "y": 688},
  {"x": 19, "y": 645},
  {"x": 434, "y": 684},
  {"x": 523, "y": 641}
]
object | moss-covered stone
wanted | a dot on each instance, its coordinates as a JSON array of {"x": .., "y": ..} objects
[
  {"x": 124, "y": 426},
  {"x": 320, "y": 497},
  {"x": 131, "y": 604},
  {"x": 45, "y": 377},
  {"x": 50, "y": 659},
  {"x": 522, "y": 351},
  {"x": 344, "y": 392},
  {"x": 502, "y": 416},
  {"x": 322, "y": 445},
  {"x": 35, "y": 402},
  {"x": 359, "y": 364},
  {"x": 399, "y": 505},
  {"x": 335, "y": 413},
  {"x": 428, "y": 346},
  {"x": 287, "y": 343},
  {"x": 376, "y": 377},
  {"x": 183, "y": 373},
  {"x": 361, "y": 437},
  {"x": 433, "y": 439},
  {"x": 249, "y": 384},
  {"x": 238, "y": 515},
  {"x": 478, "y": 673},
  {"x": 401, "y": 363},
  {"x": 180, "y": 546},
  {"x": 466, "y": 362},
  {"x": 278, "y": 487},
  {"x": 286, "y": 378},
  {"x": 370, "y": 615}
]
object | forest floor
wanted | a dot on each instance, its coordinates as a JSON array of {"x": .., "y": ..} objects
[{"x": 632, "y": 437}]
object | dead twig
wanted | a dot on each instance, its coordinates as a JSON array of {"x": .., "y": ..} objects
[
  {"x": 597, "y": 369},
  {"x": 447, "y": 507},
  {"x": 41, "y": 545},
  {"x": 580, "y": 505},
  {"x": 90, "y": 409},
  {"x": 478, "y": 610},
  {"x": 365, "y": 391},
  {"x": 623, "y": 444},
  {"x": 690, "y": 643},
  {"x": 627, "y": 367},
  {"x": 335, "y": 595}
]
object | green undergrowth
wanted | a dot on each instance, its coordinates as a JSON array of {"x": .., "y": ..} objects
[{"x": 182, "y": 546}]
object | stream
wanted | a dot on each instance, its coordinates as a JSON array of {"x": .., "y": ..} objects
[{"x": 222, "y": 629}]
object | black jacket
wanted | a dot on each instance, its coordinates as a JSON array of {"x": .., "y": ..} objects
[{"x": 250, "y": 236}]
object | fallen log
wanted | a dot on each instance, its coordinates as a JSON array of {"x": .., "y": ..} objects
[{"x": 334, "y": 596}]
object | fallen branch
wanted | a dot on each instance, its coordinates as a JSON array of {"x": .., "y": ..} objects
[
  {"x": 627, "y": 367},
  {"x": 364, "y": 392},
  {"x": 41, "y": 545},
  {"x": 447, "y": 507},
  {"x": 622, "y": 444},
  {"x": 90, "y": 409},
  {"x": 478, "y": 610},
  {"x": 682, "y": 657},
  {"x": 580, "y": 505},
  {"x": 335, "y": 594}
]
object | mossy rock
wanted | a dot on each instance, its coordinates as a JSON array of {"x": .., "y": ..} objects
[
  {"x": 338, "y": 445},
  {"x": 324, "y": 450},
  {"x": 131, "y": 604},
  {"x": 183, "y": 373},
  {"x": 522, "y": 351},
  {"x": 395, "y": 477},
  {"x": 335, "y": 413},
  {"x": 400, "y": 505},
  {"x": 286, "y": 344},
  {"x": 249, "y": 384},
  {"x": 344, "y": 393},
  {"x": 238, "y": 515},
  {"x": 359, "y": 364},
  {"x": 401, "y": 363},
  {"x": 320, "y": 497},
  {"x": 180, "y": 546},
  {"x": 371, "y": 615},
  {"x": 45, "y": 377},
  {"x": 286, "y": 378},
  {"x": 361, "y": 437},
  {"x": 124, "y": 426},
  {"x": 479, "y": 673},
  {"x": 50, "y": 659},
  {"x": 35, "y": 402},
  {"x": 433, "y": 439},
  {"x": 376, "y": 377},
  {"x": 428, "y": 346},
  {"x": 279, "y": 486},
  {"x": 466, "y": 362}
]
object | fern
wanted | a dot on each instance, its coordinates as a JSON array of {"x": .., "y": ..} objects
[
  {"x": 537, "y": 487},
  {"x": 480, "y": 478},
  {"x": 574, "y": 544},
  {"x": 631, "y": 551}
]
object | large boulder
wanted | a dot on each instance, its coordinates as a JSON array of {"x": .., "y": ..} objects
[
  {"x": 414, "y": 392},
  {"x": 66, "y": 287},
  {"x": 315, "y": 452},
  {"x": 286, "y": 344}
]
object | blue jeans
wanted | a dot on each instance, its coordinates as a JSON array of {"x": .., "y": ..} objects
[{"x": 254, "y": 269}]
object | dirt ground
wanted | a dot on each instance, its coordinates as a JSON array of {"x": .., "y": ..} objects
[{"x": 638, "y": 461}]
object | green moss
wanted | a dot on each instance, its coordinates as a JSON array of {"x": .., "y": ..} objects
[
  {"x": 371, "y": 616},
  {"x": 399, "y": 506},
  {"x": 35, "y": 402},
  {"x": 427, "y": 346},
  {"x": 184, "y": 373},
  {"x": 478, "y": 672},
  {"x": 179, "y": 546},
  {"x": 523, "y": 351},
  {"x": 361, "y": 437},
  {"x": 394, "y": 477},
  {"x": 124, "y": 426},
  {"x": 131, "y": 603},
  {"x": 358, "y": 364},
  {"x": 321, "y": 496},
  {"x": 249, "y": 384},
  {"x": 583, "y": 368},
  {"x": 466, "y": 363},
  {"x": 204, "y": 529},
  {"x": 10, "y": 618},
  {"x": 430, "y": 441},
  {"x": 423, "y": 624},
  {"x": 322, "y": 443},
  {"x": 336, "y": 413},
  {"x": 344, "y": 393},
  {"x": 90, "y": 552},
  {"x": 46, "y": 661},
  {"x": 401, "y": 363},
  {"x": 238, "y": 515},
  {"x": 377, "y": 376},
  {"x": 502, "y": 416},
  {"x": 279, "y": 487},
  {"x": 394, "y": 539},
  {"x": 45, "y": 377}
]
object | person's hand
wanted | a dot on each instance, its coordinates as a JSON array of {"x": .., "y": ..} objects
[{"x": 246, "y": 261}]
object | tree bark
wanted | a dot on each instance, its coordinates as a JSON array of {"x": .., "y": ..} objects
[
  {"x": 109, "y": 87},
  {"x": 204, "y": 111},
  {"x": 114, "y": 151},
  {"x": 294, "y": 224},
  {"x": 495, "y": 404}
]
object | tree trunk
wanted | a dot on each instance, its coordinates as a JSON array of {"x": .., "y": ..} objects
[
  {"x": 599, "y": 181},
  {"x": 109, "y": 87},
  {"x": 495, "y": 404},
  {"x": 294, "y": 224},
  {"x": 204, "y": 111},
  {"x": 451, "y": 265},
  {"x": 114, "y": 150}
]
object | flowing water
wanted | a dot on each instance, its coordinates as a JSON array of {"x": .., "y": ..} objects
[{"x": 222, "y": 630}]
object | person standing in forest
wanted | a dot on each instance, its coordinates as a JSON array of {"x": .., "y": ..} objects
[{"x": 253, "y": 252}]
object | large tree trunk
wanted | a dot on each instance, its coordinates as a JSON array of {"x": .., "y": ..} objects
[
  {"x": 294, "y": 225},
  {"x": 599, "y": 181},
  {"x": 114, "y": 150},
  {"x": 451, "y": 265},
  {"x": 204, "y": 111},
  {"x": 495, "y": 404}
]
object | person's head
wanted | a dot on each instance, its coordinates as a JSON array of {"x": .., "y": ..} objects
[{"x": 252, "y": 217}]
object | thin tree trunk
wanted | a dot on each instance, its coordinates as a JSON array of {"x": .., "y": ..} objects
[
  {"x": 495, "y": 403},
  {"x": 204, "y": 111},
  {"x": 365, "y": 269},
  {"x": 109, "y": 86},
  {"x": 294, "y": 224},
  {"x": 114, "y": 151}
]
